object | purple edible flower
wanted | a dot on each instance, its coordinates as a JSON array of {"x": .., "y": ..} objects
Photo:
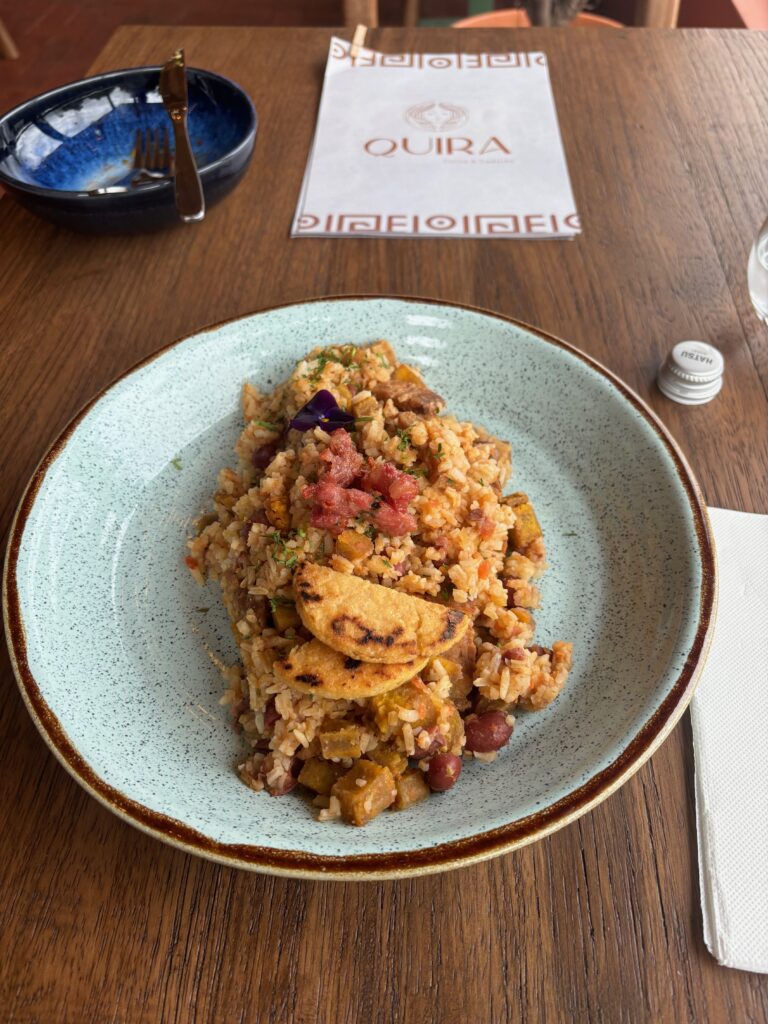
[{"x": 323, "y": 411}]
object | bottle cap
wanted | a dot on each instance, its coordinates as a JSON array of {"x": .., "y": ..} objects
[{"x": 692, "y": 373}]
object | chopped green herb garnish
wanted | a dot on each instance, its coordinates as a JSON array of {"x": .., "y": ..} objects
[
  {"x": 281, "y": 553},
  {"x": 482, "y": 482},
  {"x": 329, "y": 357},
  {"x": 278, "y": 600},
  {"x": 370, "y": 531},
  {"x": 439, "y": 453},
  {"x": 387, "y": 563},
  {"x": 418, "y": 472},
  {"x": 266, "y": 425},
  {"x": 176, "y": 463},
  {"x": 405, "y": 440},
  {"x": 382, "y": 359},
  {"x": 364, "y": 419},
  {"x": 322, "y": 362},
  {"x": 301, "y": 532}
]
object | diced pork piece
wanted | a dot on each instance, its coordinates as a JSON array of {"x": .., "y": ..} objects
[{"x": 410, "y": 397}]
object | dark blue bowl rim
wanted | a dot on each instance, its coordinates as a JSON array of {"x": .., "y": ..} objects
[{"x": 107, "y": 76}]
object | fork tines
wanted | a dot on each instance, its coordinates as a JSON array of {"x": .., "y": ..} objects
[{"x": 152, "y": 151}]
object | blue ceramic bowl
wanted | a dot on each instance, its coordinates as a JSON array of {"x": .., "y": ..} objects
[{"x": 57, "y": 148}]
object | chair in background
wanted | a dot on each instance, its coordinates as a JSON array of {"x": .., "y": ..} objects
[
  {"x": 516, "y": 18},
  {"x": 649, "y": 14},
  {"x": 754, "y": 13},
  {"x": 8, "y": 49}
]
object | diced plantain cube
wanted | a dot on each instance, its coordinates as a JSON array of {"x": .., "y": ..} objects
[
  {"x": 458, "y": 663},
  {"x": 451, "y": 668},
  {"x": 412, "y": 696},
  {"x": 353, "y": 545},
  {"x": 319, "y": 775},
  {"x": 460, "y": 691},
  {"x": 392, "y": 759},
  {"x": 285, "y": 615},
  {"x": 524, "y": 616},
  {"x": 526, "y": 528},
  {"x": 455, "y": 728},
  {"x": 411, "y": 788},
  {"x": 276, "y": 508},
  {"x": 365, "y": 791},
  {"x": 340, "y": 739},
  {"x": 407, "y": 373}
]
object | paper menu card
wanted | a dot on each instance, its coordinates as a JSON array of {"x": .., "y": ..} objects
[{"x": 451, "y": 145}]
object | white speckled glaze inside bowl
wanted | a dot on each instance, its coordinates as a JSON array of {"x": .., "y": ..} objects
[{"x": 110, "y": 634}]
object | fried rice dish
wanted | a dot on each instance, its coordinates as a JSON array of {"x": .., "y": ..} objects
[{"x": 380, "y": 584}]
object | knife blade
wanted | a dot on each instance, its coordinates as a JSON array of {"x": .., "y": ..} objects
[{"x": 190, "y": 201}]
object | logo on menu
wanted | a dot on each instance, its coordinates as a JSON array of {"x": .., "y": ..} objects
[
  {"x": 438, "y": 120},
  {"x": 437, "y": 117}
]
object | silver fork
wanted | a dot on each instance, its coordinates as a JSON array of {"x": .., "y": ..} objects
[
  {"x": 152, "y": 161},
  {"x": 152, "y": 157}
]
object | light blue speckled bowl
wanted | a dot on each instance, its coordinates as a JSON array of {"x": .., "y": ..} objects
[{"x": 109, "y": 640}]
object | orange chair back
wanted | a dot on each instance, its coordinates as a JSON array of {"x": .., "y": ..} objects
[{"x": 519, "y": 19}]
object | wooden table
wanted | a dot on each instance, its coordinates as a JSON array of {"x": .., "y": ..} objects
[{"x": 666, "y": 137}]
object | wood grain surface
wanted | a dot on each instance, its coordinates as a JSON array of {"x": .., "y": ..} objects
[{"x": 665, "y": 135}]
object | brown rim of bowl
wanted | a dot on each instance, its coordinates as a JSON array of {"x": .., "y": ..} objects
[{"x": 445, "y": 856}]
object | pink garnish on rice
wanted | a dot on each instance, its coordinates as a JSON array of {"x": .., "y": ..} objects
[
  {"x": 397, "y": 489},
  {"x": 393, "y": 522},
  {"x": 333, "y": 506},
  {"x": 335, "y": 502},
  {"x": 341, "y": 459}
]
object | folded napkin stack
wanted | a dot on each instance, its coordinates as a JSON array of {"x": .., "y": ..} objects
[{"x": 729, "y": 714}]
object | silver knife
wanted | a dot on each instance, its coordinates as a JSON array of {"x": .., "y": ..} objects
[{"x": 190, "y": 201}]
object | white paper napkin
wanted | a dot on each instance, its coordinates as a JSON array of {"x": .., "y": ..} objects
[
  {"x": 436, "y": 144},
  {"x": 729, "y": 714}
]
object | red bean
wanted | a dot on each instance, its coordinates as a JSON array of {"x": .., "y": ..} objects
[
  {"x": 436, "y": 740},
  {"x": 259, "y": 516},
  {"x": 513, "y": 654},
  {"x": 262, "y": 456},
  {"x": 443, "y": 771},
  {"x": 487, "y": 732},
  {"x": 271, "y": 714},
  {"x": 237, "y": 710},
  {"x": 286, "y": 782}
]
